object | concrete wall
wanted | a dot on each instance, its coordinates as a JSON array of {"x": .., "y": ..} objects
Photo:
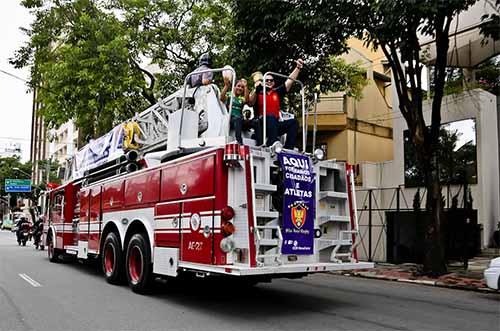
[
  {"x": 375, "y": 105},
  {"x": 337, "y": 145},
  {"x": 476, "y": 104},
  {"x": 367, "y": 147}
]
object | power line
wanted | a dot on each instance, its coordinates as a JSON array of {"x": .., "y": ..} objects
[{"x": 14, "y": 76}]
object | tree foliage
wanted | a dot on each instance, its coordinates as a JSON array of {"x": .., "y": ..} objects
[
  {"x": 7, "y": 165},
  {"x": 488, "y": 76},
  {"x": 491, "y": 23},
  {"x": 83, "y": 64},
  {"x": 394, "y": 26},
  {"x": 13, "y": 168},
  {"x": 85, "y": 55},
  {"x": 349, "y": 78},
  {"x": 175, "y": 33},
  {"x": 270, "y": 35}
]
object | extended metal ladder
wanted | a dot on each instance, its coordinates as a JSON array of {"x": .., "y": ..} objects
[
  {"x": 267, "y": 231},
  {"x": 335, "y": 212},
  {"x": 194, "y": 116}
]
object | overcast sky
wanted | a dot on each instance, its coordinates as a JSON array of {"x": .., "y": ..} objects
[{"x": 15, "y": 103}]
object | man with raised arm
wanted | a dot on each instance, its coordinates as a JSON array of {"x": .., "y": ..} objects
[{"x": 274, "y": 126}]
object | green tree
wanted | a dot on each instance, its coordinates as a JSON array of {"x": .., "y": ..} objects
[
  {"x": 13, "y": 168},
  {"x": 175, "y": 33},
  {"x": 85, "y": 55},
  {"x": 83, "y": 65},
  {"x": 491, "y": 23},
  {"x": 270, "y": 35},
  {"x": 488, "y": 76},
  {"x": 394, "y": 26},
  {"x": 44, "y": 165}
]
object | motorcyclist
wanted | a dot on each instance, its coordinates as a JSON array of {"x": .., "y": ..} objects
[
  {"x": 37, "y": 231},
  {"x": 19, "y": 226}
]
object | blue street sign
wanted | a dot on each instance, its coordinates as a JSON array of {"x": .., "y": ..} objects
[{"x": 17, "y": 185}]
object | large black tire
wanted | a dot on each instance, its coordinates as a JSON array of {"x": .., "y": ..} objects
[
  {"x": 112, "y": 259},
  {"x": 138, "y": 264},
  {"x": 52, "y": 252}
]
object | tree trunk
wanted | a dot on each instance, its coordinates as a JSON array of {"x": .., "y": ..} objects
[{"x": 434, "y": 257}]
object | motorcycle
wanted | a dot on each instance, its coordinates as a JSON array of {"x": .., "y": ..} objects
[{"x": 23, "y": 233}]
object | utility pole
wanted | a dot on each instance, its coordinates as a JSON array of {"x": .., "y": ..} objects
[
  {"x": 8, "y": 203},
  {"x": 47, "y": 170}
]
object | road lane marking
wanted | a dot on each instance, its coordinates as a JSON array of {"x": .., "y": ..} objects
[{"x": 30, "y": 280}]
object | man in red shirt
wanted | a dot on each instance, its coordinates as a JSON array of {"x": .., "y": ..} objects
[{"x": 274, "y": 126}]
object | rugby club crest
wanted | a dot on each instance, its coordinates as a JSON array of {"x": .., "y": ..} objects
[{"x": 298, "y": 211}]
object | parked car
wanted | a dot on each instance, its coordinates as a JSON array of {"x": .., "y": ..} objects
[
  {"x": 7, "y": 223},
  {"x": 492, "y": 274}
]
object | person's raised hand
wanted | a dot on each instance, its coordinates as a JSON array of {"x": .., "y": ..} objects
[{"x": 299, "y": 63}]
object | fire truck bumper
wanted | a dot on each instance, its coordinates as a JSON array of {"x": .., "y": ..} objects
[{"x": 236, "y": 270}]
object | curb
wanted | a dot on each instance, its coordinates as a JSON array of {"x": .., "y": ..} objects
[
  {"x": 424, "y": 282},
  {"x": 417, "y": 281}
]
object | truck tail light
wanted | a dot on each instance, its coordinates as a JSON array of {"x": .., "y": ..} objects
[
  {"x": 228, "y": 229},
  {"x": 227, "y": 226},
  {"x": 227, "y": 213},
  {"x": 232, "y": 155}
]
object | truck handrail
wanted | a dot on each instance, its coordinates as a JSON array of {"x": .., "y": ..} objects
[
  {"x": 315, "y": 121},
  {"x": 196, "y": 72},
  {"x": 304, "y": 127}
]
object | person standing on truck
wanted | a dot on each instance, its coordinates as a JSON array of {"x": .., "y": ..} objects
[
  {"x": 240, "y": 98},
  {"x": 205, "y": 78},
  {"x": 274, "y": 126}
]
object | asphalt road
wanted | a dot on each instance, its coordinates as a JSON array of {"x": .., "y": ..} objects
[{"x": 38, "y": 295}]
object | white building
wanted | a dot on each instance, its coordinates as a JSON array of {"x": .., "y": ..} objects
[
  {"x": 63, "y": 142},
  {"x": 10, "y": 149}
]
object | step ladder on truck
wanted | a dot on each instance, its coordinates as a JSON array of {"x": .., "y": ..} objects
[{"x": 171, "y": 193}]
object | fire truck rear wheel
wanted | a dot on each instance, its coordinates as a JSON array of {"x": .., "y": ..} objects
[
  {"x": 52, "y": 251},
  {"x": 138, "y": 264},
  {"x": 112, "y": 259}
]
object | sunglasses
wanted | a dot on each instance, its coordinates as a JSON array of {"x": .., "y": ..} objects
[{"x": 269, "y": 80}]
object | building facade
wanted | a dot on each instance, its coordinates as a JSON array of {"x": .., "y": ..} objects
[
  {"x": 39, "y": 142},
  {"x": 386, "y": 184},
  {"x": 358, "y": 130},
  {"x": 63, "y": 142},
  {"x": 54, "y": 145},
  {"x": 10, "y": 149}
]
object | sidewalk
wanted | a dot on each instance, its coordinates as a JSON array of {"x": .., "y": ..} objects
[{"x": 458, "y": 278}]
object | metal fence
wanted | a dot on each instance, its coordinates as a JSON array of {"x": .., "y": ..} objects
[{"x": 374, "y": 203}]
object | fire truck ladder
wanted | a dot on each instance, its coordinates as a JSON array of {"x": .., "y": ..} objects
[
  {"x": 336, "y": 215},
  {"x": 154, "y": 121},
  {"x": 192, "y": 117},
  {"x": 268, "y": 236}
]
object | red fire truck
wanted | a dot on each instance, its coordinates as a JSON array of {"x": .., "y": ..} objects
[{"x": 182, "y": 197}]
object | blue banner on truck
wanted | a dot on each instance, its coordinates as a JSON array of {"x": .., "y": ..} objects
[{"x": 299, "y": 207}]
